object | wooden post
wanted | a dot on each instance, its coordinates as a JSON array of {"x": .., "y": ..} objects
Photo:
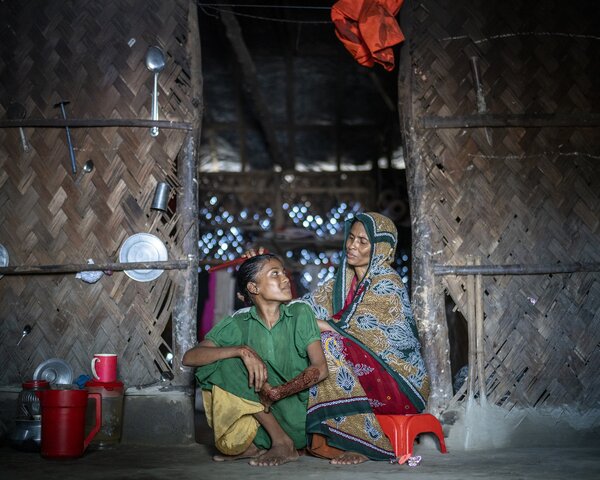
[
  {"x": 185, "y": 310},
  {"x": 427, "y": 297}
]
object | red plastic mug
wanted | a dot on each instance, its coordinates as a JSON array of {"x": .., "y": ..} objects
[{"x": 104, "y": 367}]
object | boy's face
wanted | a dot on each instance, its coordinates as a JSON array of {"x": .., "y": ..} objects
[{"x": 272, "y": 283}]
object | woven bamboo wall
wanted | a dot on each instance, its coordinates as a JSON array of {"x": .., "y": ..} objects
[
  {"x": 91, "y": 54},
  {"x": 526, "y": 195}
]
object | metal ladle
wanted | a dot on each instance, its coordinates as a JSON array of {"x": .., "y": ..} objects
[{"x": 155, "y": 62}]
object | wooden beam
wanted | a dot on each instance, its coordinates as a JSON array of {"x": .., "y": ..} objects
[
  {"x": 234, "y": 34},
  {"x": 511, "y": 120}
]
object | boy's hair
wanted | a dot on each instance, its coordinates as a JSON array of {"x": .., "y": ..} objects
[{"x": 248, "y": 271}]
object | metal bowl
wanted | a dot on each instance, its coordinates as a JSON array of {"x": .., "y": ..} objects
[{"x": 55, "y": 371}]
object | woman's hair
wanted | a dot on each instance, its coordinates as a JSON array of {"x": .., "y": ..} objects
[{"x": 248, "y": 272}]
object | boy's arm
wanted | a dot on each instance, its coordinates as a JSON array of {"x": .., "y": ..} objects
[
  {"x": 310, "y": 376},
  {"x": 207, "y": 352}
]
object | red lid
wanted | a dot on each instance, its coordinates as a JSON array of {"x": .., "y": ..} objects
[
  {"x": 31, "y": 384},
  {"x": 107, "y": 385}
]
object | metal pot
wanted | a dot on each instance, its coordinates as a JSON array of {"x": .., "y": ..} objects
[{"x": 26, "y": 435}]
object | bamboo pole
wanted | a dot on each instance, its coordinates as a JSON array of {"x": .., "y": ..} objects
[
  {"x": 472, "y": 332},
  {"x": 511, "y": 120},
  {"x": 93, "y": 267},
  {"x": 93, "y": 122},
  {"x": 536, "y": 269},
  {"x": 479, "y": 336}
]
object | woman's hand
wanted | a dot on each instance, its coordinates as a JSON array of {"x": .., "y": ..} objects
[
  {"x": 324, "y": 326},
  {"x": 253, "y": 253},
  {"x": 257, "y": 370}
]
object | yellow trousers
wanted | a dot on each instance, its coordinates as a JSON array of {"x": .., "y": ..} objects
[{"x": 232, "y": 420}]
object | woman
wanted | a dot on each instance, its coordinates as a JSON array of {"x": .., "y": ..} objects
[
  {"x": 371, "y": 345},
  {"x": 255, "y": 369}
]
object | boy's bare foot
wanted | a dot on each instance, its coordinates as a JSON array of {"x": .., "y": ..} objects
[
  {"x": 251, "y": 452},
  {"x": 349, "y": 458},
  {"x": 277, "y": 455}
]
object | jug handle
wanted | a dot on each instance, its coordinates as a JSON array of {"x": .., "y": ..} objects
[{"x": 98, "y": 425}]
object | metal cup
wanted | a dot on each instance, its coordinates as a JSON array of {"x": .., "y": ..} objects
[{"x": 161, "y": 197}]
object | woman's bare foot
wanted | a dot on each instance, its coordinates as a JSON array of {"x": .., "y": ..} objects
[
  {"x": 349, "y": 458},
  {"x": 277, "y": 455},
  {"x": 251, "y": 452}
]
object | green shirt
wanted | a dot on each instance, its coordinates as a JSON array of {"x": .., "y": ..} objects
[{"x": 282, "y": 348}]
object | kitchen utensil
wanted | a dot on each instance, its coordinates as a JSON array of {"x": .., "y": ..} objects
[
  {"x": 87, "y": 168},
  {"x": 55, "y": 371},
  {"x": 155, "y": 62},
  {"x": 104, "y": 367},
  {"x": 143, "y": 247},
  {"x": 112, "y": 412},
  {"x": 62, "y": 104},
  {"x": 28, "y": 403},
  {"x": 63, "y": 422},
  {"x": 16, "y": 111},
  {"x": 3, "y": 257},
  {"x": 161, "y": 197},
  {"x": 26, "y": 331},
  {"x": 26, "y": 435}
]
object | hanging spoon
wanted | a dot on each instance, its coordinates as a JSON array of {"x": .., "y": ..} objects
[
  {"x": 155, "y": 62},
  {"x": 26, "y": 331},
  {"x": 87, "y": 168}
]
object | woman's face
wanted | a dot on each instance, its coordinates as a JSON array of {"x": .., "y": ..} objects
[
  {"x": 272, "y": 283},
  {"x": 358, "y": 246}
]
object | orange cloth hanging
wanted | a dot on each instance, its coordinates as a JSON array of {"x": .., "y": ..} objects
[{"x": 368, "y": 29}]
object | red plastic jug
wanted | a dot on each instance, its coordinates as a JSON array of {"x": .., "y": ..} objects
[{"x": 63, "y": 422}]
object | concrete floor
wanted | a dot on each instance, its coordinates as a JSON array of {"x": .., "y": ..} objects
[
  {"x": 194, "y": 462},
  {"x": 182, "y": 462}
]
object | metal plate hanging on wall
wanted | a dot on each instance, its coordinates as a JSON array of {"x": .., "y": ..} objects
[
  {"x": 143, "y": 247},
  {"x": 3, "y": 257}
]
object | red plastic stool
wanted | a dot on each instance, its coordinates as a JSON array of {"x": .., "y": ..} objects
[{"x": 403, "y": 429}]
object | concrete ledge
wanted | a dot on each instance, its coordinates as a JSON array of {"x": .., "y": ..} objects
[
  {"x": 151, "y": 416},
  {"x": 158, "y": 417}
]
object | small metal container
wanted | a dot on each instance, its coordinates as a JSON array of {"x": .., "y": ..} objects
[
  {"x": 161, "y": 197},
  {"x": 28, "y": 407}
]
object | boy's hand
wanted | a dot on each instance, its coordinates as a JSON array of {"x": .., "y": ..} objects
[{"x": 257, "y": 370}]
